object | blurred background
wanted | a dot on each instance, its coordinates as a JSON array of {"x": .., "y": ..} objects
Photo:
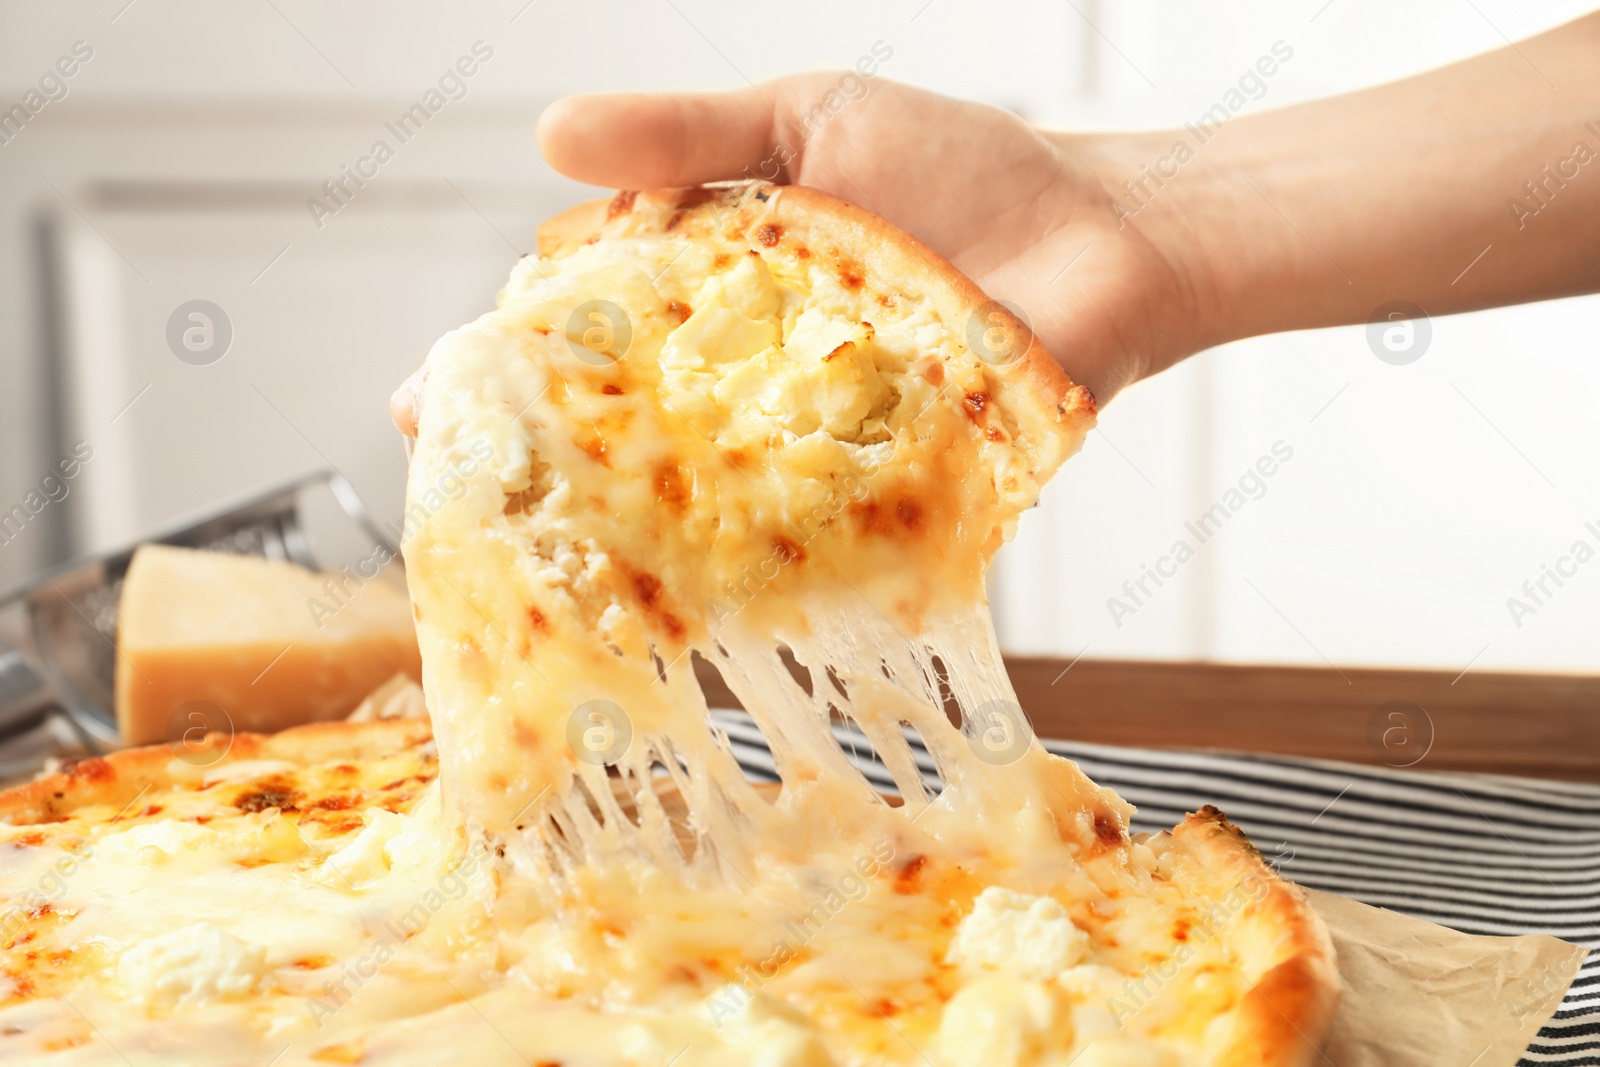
[{"x": 174, "y": 164}]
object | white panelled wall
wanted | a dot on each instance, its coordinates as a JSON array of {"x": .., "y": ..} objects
[{"x": 1413, "y": 500}]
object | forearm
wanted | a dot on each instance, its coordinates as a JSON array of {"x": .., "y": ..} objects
[{"x": 1470, "y": 186}]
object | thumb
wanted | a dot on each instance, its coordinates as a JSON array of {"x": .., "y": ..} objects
[{"x": 644, "y": 141}]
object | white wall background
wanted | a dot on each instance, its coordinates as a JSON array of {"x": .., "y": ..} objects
[{"x": 178, "y": 165}]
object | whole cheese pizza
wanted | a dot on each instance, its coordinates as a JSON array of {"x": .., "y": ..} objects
[{"x": 748, "y": 430}]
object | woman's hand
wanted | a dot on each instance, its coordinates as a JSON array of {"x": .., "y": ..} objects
[{"x": 1024, "y": 214}]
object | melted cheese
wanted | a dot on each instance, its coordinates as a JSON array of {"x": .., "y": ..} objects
[{"x": 744, "y": 449}]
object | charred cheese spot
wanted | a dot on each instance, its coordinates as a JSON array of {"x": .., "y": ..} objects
[
  {"x": 869, "y": 517},
  {"x": 769, "y": 234},
  {"x": 908, "y": 878},
  {"x": 92, "y": 769},
  {"x": 592, "y": 444},
  {"x": 887, "y": 1007},
  {"x": 269, "y": 794},
  {"x": 672, "y": 488},
  {"x": 622, "y": 203},
  {"x": 787, "y": 550},
  {"x": 647, "y": 589},
  {"x": 679, "y": 310},
  {"x": 338, "y": 802},
  {"x": 611, "y": 390}
]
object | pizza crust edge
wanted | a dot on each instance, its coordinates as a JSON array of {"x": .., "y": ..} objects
[
  {"x": 1055, "y": 412},
  {"x": 1285, "y": 1017},
  {"x": 119, "y": 777}
]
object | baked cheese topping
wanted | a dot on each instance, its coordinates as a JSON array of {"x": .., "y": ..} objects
[
  {"x": 322, "y": 913},
  {"x": 701, "y": 436},
  {"x": 662, "y": 437}
]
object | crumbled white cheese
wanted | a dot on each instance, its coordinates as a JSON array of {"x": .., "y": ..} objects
[
  {"x": 1001, "y": 1021},
  {"x": 388, "y": 841},
  {"x": 191, "y": 966},
  {"x": 364, "y": 860},
  {"x": 153, "y": 842},
  {"x": 765, "y": 1032},
  {"x": 1032, "y": 937}
]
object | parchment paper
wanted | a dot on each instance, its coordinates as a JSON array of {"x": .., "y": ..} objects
[{"x": 1419, "y": 995}]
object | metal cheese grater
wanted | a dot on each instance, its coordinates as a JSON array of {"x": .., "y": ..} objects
[{"x": 58, "y": 632}]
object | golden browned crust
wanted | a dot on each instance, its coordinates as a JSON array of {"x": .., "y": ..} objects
[
  {"x": 1052, "y": 414},
  {"x": 1284, "y": 1017},
  {"x": 121, "y": 776}
]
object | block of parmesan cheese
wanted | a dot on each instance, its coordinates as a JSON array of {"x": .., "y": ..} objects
[{"x": 268, "y": 643}]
